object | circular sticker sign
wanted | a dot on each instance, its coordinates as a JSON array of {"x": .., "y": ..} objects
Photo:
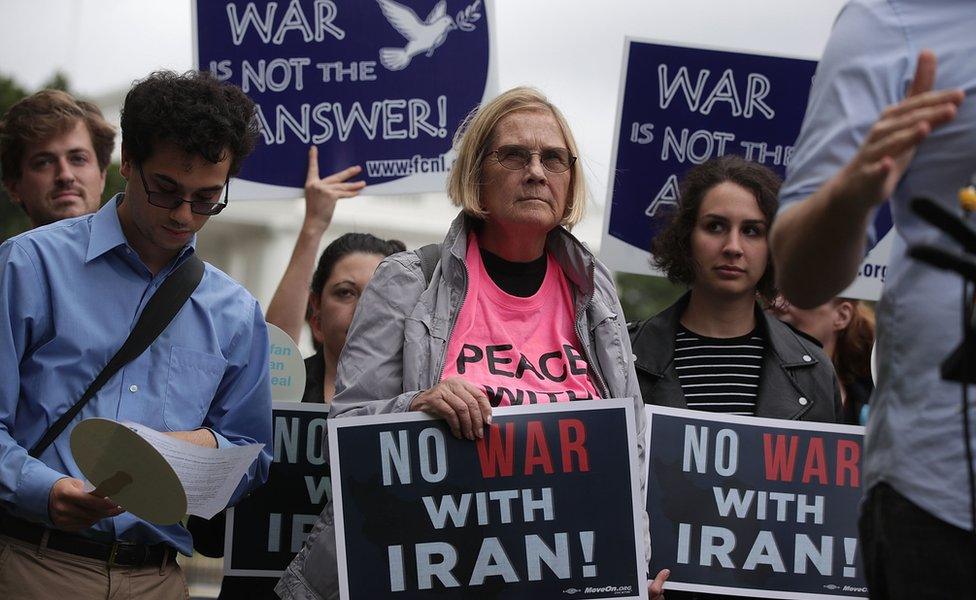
[
  {"x": 126, "y": 468},
  {"x": 287, "y": 367}
]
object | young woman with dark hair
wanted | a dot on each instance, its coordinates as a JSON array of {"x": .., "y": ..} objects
[
  {"x": 344, "y": 269},
  {"x": 714, "y": 349}
]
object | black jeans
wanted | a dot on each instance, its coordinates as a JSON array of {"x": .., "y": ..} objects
[{"x": 908, "y": 553}]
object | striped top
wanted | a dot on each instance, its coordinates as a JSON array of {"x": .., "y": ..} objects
[{"x": 719, "y": 374}]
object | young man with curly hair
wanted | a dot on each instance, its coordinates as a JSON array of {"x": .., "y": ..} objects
[
  {"x": 54, "y": 153},
  {"x": 69, "y": 295}
]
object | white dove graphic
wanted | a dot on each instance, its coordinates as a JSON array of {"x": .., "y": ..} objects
[{"x": 421, "y": 35}]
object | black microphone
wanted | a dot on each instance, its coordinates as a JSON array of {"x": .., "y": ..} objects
[
  {"x": 947, "y": 221},
  {"x": 942, "y": 259}
]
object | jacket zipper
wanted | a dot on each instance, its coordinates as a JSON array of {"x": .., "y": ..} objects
[
  {"x": 604, "y": 391},
  {"x": 464, "y": 296}
]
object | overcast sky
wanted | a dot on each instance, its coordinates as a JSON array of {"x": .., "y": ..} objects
[{"x": 571, "y": 49}]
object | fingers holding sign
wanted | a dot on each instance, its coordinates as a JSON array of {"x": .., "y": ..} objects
[
  {"x": 321, "y": 195},
  {"x": 875, "y": 170},
  {"x": 463, "y": 405},
  {"x": 655, "y": 589}
]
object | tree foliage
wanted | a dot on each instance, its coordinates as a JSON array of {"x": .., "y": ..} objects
[
  {"x": 12, "y": 219},
  {"x": 643, "y": 297}
]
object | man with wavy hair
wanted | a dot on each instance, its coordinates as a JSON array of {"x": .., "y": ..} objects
[
  {"x": 54, "y": 153},
  {"x": 69, "y": 296}
]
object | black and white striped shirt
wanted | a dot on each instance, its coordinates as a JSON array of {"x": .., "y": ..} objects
[{"x": 719, "y": 374}]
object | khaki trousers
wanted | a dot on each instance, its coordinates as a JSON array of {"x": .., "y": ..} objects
[{"x": 32, "y": 572}]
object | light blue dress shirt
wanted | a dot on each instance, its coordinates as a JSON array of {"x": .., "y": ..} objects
[
  {"x": 914, "y": 436},
  {"x": 70, "y": 293}
]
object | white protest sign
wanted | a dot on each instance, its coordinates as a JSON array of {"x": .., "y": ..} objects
[{"x": 287, "y": 367}]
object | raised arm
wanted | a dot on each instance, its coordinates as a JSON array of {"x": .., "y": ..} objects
[
  {"x": 290, "y": 301},
  {"x": 819, "y": 243}
]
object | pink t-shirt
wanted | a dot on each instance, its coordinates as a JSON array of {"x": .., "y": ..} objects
[{"x": 520, "y": 350}]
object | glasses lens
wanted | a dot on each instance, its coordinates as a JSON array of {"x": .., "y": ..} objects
[
  {"x": 206, "y": 208},
  {"x": 513, "y": 157},
  {"x": 556, "y": 160},
  {"x": 163, "y": 200}
]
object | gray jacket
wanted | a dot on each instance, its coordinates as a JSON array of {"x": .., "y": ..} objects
[
  {"x": 797, "y": 381},
  {"x": 397, "y": 344}
]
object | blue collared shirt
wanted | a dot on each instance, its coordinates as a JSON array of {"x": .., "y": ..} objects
[
  {"x": 70, "y": 293},
  {"x": 914, "y": 437}
]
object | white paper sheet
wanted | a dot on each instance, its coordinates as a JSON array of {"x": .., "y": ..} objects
[{"x": 209, "y": 475}]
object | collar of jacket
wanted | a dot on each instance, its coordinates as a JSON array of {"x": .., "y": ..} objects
[
  {"x": 576, "y": 261},
  {"x": 655, "y": 358}
]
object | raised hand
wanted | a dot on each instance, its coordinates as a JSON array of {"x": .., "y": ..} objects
[{"x": 322, "y": 194}]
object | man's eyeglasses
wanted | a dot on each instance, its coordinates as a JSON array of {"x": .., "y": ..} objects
[
  {"x": 554, "y": 160},
  {"x": 169, "y": 200}
]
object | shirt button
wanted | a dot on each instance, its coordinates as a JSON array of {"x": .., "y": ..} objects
[
  {"x": 807, "y": 358},
  {"x": 133, "y": 388},
  {"x": 803, "y": 401}
]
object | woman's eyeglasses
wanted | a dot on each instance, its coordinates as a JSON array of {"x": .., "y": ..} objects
[{"x": 554, "y": 160}]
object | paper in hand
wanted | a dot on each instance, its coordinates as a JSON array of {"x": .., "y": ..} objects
[
  {"x": 155, "y": 476},
  {"x": 209, "y": 475}
]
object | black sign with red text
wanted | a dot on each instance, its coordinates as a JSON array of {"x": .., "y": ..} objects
[
  {"x": 751, "y": 506},
  {"x": 542, "y": 507}
]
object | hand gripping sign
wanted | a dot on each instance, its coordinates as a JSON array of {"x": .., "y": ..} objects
[
  {"x": 680, "y": 106},
  {"x": 380, "y": 83},
  {"x": 547, "y": 505},
  {"x": 749, "y": 506}
]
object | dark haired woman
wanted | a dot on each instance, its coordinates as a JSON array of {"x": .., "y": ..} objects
[
  {"x": 344, "y": 269},
  {"x": 714, "y": 349}
]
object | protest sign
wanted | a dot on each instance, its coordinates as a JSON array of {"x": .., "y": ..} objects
[
  {"x": 680, "y": 106},
  {"x": 379, "y": 83},
  {"x": 547, "y": 505},
  {"x": 267, "y": 529},
  {"x": 752, "y": 506},
  {"x": 286, "y": 366}
]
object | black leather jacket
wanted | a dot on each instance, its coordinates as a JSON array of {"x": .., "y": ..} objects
[{"x": 797, "y": 381}]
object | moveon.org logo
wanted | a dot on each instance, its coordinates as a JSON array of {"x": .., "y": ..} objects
[
  {"x": 847, "y": 588},
  {"x": 608, "y": 589}
]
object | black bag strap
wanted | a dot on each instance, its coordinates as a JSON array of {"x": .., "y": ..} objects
[
  {"x": 429, "y": 255},
  {"x": 159, "y": 311}
]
